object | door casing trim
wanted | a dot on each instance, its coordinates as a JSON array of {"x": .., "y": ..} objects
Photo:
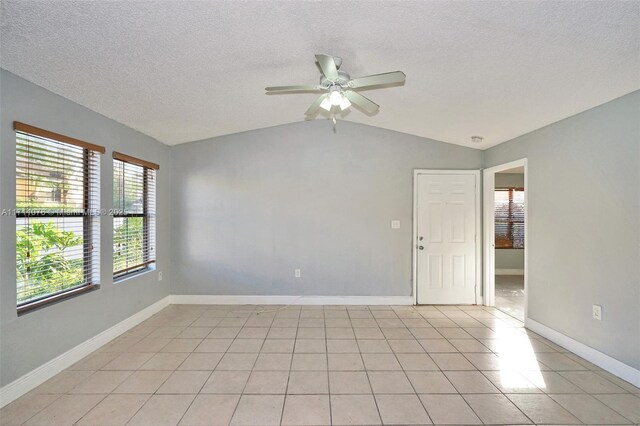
[{"x": 478, "y": 233}]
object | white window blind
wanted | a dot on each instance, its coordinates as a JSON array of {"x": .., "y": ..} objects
[
  {"x": 134, "y": 198},
  {"x": 57, "y": 215},
  {"x": 509, "y": 217}
]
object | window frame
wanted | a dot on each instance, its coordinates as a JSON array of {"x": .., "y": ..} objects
[
  {"x": 88, "y": 241},
  {"x": 510, "y": 221},
  {"x": 146, "y": 216}
]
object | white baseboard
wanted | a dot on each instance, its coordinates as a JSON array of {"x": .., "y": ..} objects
[
  {"x": 594, "y": 356},
  {"x": 34, "y": 378},
  {"x": 195, "y": 299},
  {"x": 509, "y": 271}
]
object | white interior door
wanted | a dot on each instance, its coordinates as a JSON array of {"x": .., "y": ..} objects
[{"x": 446, "y": 238}]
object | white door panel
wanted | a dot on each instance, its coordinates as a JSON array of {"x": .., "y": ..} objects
[{"x": 446, "y": 225}]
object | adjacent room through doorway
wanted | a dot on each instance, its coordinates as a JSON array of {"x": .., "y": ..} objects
[{"x": 509, "y": 241}]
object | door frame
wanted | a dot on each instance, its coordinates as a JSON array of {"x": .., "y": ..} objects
[
  {"x": 478, "y": 234},
  {"x": 489, "y": 174}
]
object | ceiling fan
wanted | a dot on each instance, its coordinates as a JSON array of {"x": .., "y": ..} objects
[{"x": 339, "y": 88}]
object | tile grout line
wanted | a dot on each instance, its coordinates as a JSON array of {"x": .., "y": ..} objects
[
  {"x": 250, "y": 371},
  {"x": 324, "y": 320},
  {"x": 203, "y": 383},
  {"x": 163, "y": 382},
  {"x": 373, "y": 396},
  {"x": 286, "y": 389},
  {"x": 407, "y": 377}
]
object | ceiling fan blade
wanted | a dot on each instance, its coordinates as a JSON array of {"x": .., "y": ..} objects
[
  {"x": 358, "y": 100},
  {"x": 378, "y": 79},
  {"x": 328, "y": 66},
  {"x": 294, "y": 89},
  {"x": 315, "y": 106}
]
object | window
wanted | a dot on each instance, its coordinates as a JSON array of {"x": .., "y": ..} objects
[
  {"x": 57, "y": 220},
  {"x": 134, "y": 199},
  {"x": 509, "y": 220}
]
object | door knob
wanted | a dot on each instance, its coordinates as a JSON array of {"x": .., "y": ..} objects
[{"x": 420, "y": 247}]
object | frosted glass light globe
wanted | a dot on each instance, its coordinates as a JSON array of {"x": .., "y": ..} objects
[{"x": 335, "y": 98}]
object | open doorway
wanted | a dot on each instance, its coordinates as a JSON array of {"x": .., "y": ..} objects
[
  {"x": 505, "y": 192},
  {"x": 509, "y": 241}
]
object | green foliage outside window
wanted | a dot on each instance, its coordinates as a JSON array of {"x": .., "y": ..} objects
[
  {"x": 128, "y": 242},
  {"x": 43, "y": 266}
]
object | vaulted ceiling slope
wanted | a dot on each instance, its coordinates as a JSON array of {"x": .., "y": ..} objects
[{"x": 187, "y": 70}]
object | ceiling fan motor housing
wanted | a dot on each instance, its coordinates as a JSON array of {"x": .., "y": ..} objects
[{"x": 342, "y": 80}]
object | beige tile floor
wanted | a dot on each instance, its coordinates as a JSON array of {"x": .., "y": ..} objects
[
  {"x": 316, "y": 365},
  {"x": 510, "y": 295}
]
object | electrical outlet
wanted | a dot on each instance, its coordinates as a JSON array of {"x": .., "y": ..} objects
[
  {"x": 296, "y": 273},
  {"x": 159, "y": 276},
  {"x": 395, "y": 224},
  {"x": 597, "y": 312}
]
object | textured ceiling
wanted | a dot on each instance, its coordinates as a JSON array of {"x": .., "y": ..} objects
[{"x": 181, "y": 71}]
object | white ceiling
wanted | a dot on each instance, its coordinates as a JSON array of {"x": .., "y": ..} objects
[{"x": 186, "y": 70}]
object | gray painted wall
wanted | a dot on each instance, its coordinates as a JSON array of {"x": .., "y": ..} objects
[
  {"x": 509, "y": 258},
  {"x": 509, "y": 180},
  {"x": 257, "y": 205},
  {"x": 584, "y": 224},
  {"x": 39, "y": 336}
]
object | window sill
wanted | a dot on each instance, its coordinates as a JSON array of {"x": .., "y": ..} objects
[
  {"x": 28, "y": 307},
  {"x": 133, "y": 274}
]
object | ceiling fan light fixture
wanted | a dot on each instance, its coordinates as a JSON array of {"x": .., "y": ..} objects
[
  {"x": 336, "y": 97},
  {"x": 344, "y": 104},
  {"x": 326, "y": 104}
]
